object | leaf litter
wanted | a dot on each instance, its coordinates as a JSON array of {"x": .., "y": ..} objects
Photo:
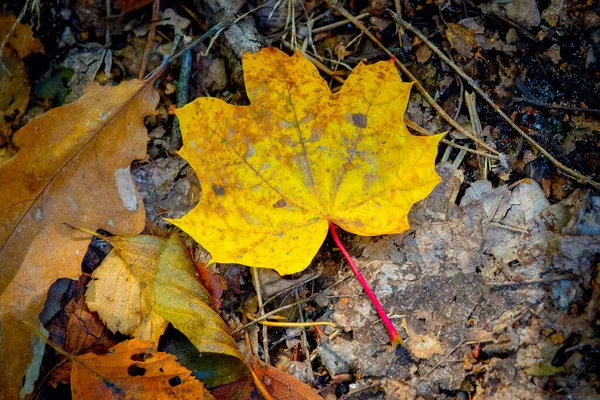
[{"x": 514, "y": 320}]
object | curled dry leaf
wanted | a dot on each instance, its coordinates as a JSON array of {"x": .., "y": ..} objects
[
  {"x": 147, "y": 282},
  {"x": 72, "y": 166},
  {"x": 276, "y": 172},
  {"x": 133, "y": 370}
]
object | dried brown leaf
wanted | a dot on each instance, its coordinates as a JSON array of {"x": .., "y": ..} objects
[{"x": 72, "y": 167}]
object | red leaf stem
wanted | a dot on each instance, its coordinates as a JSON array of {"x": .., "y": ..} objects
[{"x": 394, "y": 336}]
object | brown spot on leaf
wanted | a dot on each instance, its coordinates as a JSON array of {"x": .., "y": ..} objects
[
  {"x": 359, "y": 120},
  {"x": 218, "y": 190},
  {"x": 280, "y": 204}
]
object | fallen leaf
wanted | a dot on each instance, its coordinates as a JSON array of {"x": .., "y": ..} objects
[
  {"x": 423, "y": 53},
  {"x": 147, "y": 282},
  {"x": 85, "y": 331},
  {"x": 73, "y": 167},
  {"x": 280, "y": 385},
  {"x": 523, "y": 12},
  {"x": 241, "y": 389},
  {"x": 422, "y": 346},
  {"x": 543, "y": 369},
  {"x": 13, "y": 76},
  {"x": 75, "y": 329},
  {"x": 15, "y": 92},
  {"x": 276, "y": 172},
  {"x": 22, "y": 39},
  {"x": 212, "y": 369},
  {"x": 213, "y": 283},
  {"x": 461, "y": 39},
  {"x": 122, "y": 288},
  {"x": 133, "y": 370}
]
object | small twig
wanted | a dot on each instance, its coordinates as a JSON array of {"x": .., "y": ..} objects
[
  {"x": 399, "y": 28},
  {"x": 470, "y": 99},
  {"x": 572, "y": 173},
  {"x": 320, "y": 66},
  {"x": 305, "y": 344},
  {"x": 553, "y": 106},
  {"x": 107, "y": 38},
  {"x": 183, "y": 95},
  {"x": 414, "y": 126},
  {"x": 354, "y": 392},
  {"x": 261, "y": 307},
  {"x": 337, "y": 24},
  {"x": 445, "y": 359},
  {"x": 490, "y": 219},
  {"x": 150, "y": 38},
  {"x": 534, "y": 282},
  {"x": 311, "y": 298},
  {"x": 507, "y": 227},
  {"x": 419, "y": 87},
  {"x": 288, "y": 324},
  {"x": 312, "y": 277}
]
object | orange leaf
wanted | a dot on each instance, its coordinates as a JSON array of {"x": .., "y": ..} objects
[
  {"x": 276, "y": 172},
  {"x": 21, "y": 39},
  {"x": 213, "y": 283},
  {"x": 73, "y": 167},
  {"x": 280, "y": 385},
  {"x": 133, "y": 370}
]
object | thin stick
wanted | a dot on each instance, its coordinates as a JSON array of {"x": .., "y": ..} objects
[
  {"x": 419, "y": 87},
  {"x": 311, "y": 298},
  {"x": 470, "y": 99},
  {"x": 294, "y": 324},
  {"x": 394, "y": 336},
  {"x": 150, "y": 39},
  {"x": 261, "y": 306},
  {"x": 572, "y": 173},
  {"x": 416, "y": 127},
  {"x": 337, "y": 24},
  {"x": 553, "y": 106},
  {"x": 445, "y": 359},
  {"x": 534, "y": 282},
  {"x": 305, "y": 344}
]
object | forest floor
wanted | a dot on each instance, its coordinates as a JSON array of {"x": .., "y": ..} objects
[{"x": 495, "y": 287}]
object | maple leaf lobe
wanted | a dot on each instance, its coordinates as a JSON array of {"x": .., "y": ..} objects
[{"x": 299, "y": 156}]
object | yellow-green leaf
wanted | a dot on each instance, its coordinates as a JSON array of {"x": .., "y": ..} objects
[
  {"x": 147, "y": 282},
  {"x": 184, "y": 302},
  {"x": 275, "y": 172}
]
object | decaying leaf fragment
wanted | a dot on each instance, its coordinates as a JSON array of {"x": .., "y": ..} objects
[
  {"x": 280, "y": 385},
  {"x": 276, "y": 172},
  {"x": 422, "y": 346},
  {"x": 147, "y": 282},
  {"x": 133, "y": 370},
  {"x": 14, "y": 80},
  {"x": 72, "y": 167}
]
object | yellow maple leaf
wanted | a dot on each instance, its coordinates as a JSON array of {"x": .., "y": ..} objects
[{"x": 275, "y": 173}]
